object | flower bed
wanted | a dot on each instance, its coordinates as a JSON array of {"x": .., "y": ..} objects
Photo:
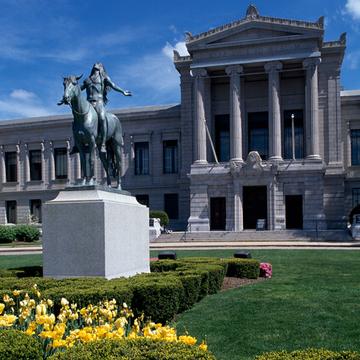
[{"x": 32, "y": 315}]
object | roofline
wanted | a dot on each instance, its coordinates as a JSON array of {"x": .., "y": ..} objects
[{"x": 126, "y": 112}]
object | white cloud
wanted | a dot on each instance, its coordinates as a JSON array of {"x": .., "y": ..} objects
[
  {"x": 22, "y": 94},
  {"x": 353, "y": 8},
  {"x": 154, "y": 75},
  {"x": 180, "y": 47},
  {"x": 22, "y": 103}
]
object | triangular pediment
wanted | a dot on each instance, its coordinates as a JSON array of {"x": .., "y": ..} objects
[
  {"x": 256, "y": 28},
  {"x": 254, "y": 34}
]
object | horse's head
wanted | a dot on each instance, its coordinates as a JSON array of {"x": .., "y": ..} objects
[{"x": 70, "y": 85}]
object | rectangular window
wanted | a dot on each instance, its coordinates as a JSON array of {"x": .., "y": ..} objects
[
  {"x": 35, "y": 210},
  {"x": 170, "y": 156},
  {"x": 355, "y": 197},
  {"x": 142, "y": 158},
  {"x": 10, "y": 211},
  {"x": 35, "y": 165},
  {"x": 171, "y": 205},
  {"x": 143, "y": 199},
  {"x": 11, "y": 166},
  {"x": 60, "y": 157},
  {"x": 355, "y": 147},
  {"x": 222, "y": 137},
  {"x": 258, "y": 133},
  {"x": 298, "y": 134}
]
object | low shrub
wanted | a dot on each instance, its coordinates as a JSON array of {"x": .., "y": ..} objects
[
  {"x": 15, "y": 345},
  {"x": 243, "y": 268},
  {"x": 27, "y": 233},
  {"x": 159, "y": 214},
  {"x": 156, "y": 296},
  {"x": 310, "y": 354},
  {"x": 133, "y": 350},
  {"x": 7, "y": 234},
  {"x": 89, "y": 295}
]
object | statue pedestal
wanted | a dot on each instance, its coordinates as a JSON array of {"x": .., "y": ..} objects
[{"x": 95, "y": 231}]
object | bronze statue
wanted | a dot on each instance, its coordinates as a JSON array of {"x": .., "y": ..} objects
[{"x": 93, "y": 126}]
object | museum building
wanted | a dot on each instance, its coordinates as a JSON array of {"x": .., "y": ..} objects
[{"x": 264, "y": 136}]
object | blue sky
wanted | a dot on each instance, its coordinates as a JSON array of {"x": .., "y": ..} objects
[{"x": 43, "y": 40}]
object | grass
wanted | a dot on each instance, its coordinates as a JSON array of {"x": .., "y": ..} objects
[
  {"x": 311, "y": 301},
  {"x": 15, "y": 261},
  {"x": 16, "y": 244}
]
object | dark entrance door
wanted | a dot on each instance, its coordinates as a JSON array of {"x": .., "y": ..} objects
[
  {"x": 254, "y": 205},
  {"x": 294, "y": 211},
  {"x": 217, "y": 213}
]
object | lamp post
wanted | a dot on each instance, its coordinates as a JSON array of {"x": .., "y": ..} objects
[{"x": 293, "y": 135}]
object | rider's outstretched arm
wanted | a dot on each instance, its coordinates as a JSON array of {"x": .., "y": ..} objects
[{"x": 116, "y": 88}]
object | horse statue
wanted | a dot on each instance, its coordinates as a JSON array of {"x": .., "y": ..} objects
[{"x": 86, "y": 135}]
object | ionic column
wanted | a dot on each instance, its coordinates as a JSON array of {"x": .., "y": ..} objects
[
  {"x": 312, "y": 108},
  {"x": 77, "y": 167},
  {"x": 2, "y": 165},
  {"x": 43, "y": 167},
  {"x": 273, "y": 68},
  {"x": 52, "y": 161},
  {"x": 234, "y": 72},
  {"x": 238, "y": 206},
  {"x": 26, "y": 163},
  {"x": 200, "y": 129},
  {"x": 68, "y": 160}
]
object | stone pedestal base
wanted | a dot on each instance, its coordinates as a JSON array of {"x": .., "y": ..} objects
[{"x": 95, "y": 232}]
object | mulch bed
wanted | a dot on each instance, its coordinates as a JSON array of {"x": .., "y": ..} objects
[{"x": 233, "y": 282}]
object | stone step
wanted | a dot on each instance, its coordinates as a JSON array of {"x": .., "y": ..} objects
[{"x": 252, "y": 235}]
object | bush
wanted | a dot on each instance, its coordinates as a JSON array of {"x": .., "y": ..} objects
[
  {"x": 27, "y": 233},
  {"x": 15, "y": 345},
  {"x": 90, "y": 294},
  {"x": 133, "y": 350},
  {"x": 310, "y": 354},
  {"x": 243, "y": 268},
  {"x": 162, "y": 215},
  {"x": 158, "y": 297},
  {"x": 7, "y": 234}
]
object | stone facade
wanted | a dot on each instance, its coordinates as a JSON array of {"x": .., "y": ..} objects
[{"x": 259, "y": 85}]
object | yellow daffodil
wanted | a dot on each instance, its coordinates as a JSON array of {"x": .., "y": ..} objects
[{"x": 186, "y": 339}]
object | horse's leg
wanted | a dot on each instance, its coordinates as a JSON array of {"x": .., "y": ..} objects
[
  {"x": 82, "y": 164},
  {"x": 104, "y": 162},
  {"x": 90, "y": 162},
  {"x": 118, "y": 164}
]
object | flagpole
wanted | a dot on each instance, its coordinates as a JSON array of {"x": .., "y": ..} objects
[{"x": 211, "y": 142}]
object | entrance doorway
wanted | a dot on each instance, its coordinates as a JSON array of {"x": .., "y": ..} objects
[
  {"x": 218, "y": 213},
  {"x": 294, "y": 211},
  {"x": 254, "y": 205}
]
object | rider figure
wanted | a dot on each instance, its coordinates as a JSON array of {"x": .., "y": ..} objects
[{"x": 97, "y": 86}]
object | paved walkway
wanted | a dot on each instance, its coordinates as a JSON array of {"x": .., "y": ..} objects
[{"x": 205, "y": 245}]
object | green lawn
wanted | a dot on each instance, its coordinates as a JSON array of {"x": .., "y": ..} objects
[
  {"x": 313, "y": 300},
  {"x": 15, "y": 261}
]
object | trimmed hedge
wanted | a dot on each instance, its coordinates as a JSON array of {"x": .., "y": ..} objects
[
  {"x": 7, "y": 234},
  {"x": 15, "y": 345},
  {"x": 243, "y": 268},
  {"x": 27, "y": 233},
  {"x": 171, "y": 288},
  {"x": 133, "y": 350},
  {"x": 310, "y": 354}
]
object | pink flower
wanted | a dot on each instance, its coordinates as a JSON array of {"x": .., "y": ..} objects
[{"x": 265, "y": 270}]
